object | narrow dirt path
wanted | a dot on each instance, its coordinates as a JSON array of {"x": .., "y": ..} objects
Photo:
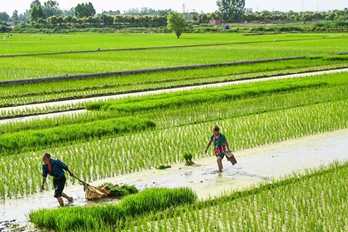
[
  {"x": 121, "y": 96},
  {"x": 255, "y": 166}
]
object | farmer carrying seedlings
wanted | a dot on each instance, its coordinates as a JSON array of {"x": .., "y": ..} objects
[
  {"x": 220, "y": 145},
  {"x": 55, "y": 168}
]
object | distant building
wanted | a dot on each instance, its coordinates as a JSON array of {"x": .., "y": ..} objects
[
  {"x": 11, "y": 24},
  {"x": 215, "y": 22}
]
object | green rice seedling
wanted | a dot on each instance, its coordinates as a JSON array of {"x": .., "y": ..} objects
[
  {"x": 300, "y": 201},
  {"x": 188, "y": 159},
  {"x": 43, "y": 92},
  {"x": 266, "y": 121},
  {"x": 53, "y": 65},
  {"x": 17, "y": 142},
  {"x": 40, "y": 43},
  {"x": 162, "y": 167},
  {"x": 148, "y": 103},
  {"x": 95, "y": 218}
]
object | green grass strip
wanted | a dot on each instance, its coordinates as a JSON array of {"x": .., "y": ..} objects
[
  {"x": 21, "y": 141},
  {"x": 181, "y": 99},
  {"x": 95, "y": 218}
]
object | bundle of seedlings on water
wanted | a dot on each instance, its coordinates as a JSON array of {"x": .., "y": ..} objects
[
  {"x": 188, "y": 159},
  {"x": 161, "y": 167},
  {"x": 119, "y": 191}
]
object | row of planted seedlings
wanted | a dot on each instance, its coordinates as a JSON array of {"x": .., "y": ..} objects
[
  {"x": 160, "y": 146},
  {"x": 97, "y": 217},
  {"x": 307, "y": 202},
  {"x": 56, "y": 65},
  {"x": 231, "y": 109},
  {"x": 179, "y": 75},
  {"x": 24, "y": 112},
  {"x": 108, "y": 62},
  {"x": 314, "y": 202},
  {"x": 21, "y": 140},
  {"x": 234, "y": 92},
  {"x": 132, "y": 168},
  {"x": 102, "y": 88},
  {"x": 58, "y": 43},
  {"x": 196, "y": 112},
  {"x": 89, "y": 42}
]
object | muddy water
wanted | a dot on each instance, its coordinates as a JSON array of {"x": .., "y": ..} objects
[{"x": 254, "y": 166}]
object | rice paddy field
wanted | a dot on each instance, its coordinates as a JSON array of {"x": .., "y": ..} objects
[{"x": 101, "y": 142}]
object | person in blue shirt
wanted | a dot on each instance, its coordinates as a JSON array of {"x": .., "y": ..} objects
[
  {"x": 55, "y": 168},
  {"x": 220, "y": 146}
]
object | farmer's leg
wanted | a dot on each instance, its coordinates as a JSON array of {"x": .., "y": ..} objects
[
  {"x": 58, "y": 189},
  {"x": 60, "y": 201},
  {"x": 219, "y": 161},
  {"x": 67, "y": 197}
]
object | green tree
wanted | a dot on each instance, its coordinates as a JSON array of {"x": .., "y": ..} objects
[
  {"x": 4, "y": 27},
  {"x": 34, "y": 3},
  {"x": 4, "y": 16},
  {"x": 36, "y": 13},
  {"x": 24, "y": 17},
  {"x": 231, "y": 10},
  {"x": 97, "y": 21},
  {"x": 68, "y": 19},
  {"x": 51, "y": 8},
  {"x": 69, "y": 12},
  {"x": 107, "y": 20},
  {"x": 177, "y": 23},
  {"x": 41, "y": 21},
  {"x": 15, "y": 16},
  {"x": 84, "y": 10},
  {"x": 53, "y": 20}
]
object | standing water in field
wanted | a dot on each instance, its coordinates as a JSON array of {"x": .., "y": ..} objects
[{"x": 254, "y": 166}]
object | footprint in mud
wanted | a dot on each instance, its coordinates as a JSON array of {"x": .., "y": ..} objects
[
  {"x": 188, "y": 173},
  {"x": 10, "y": 225},
  {"x": 252, "y": 175},
  {"x": 215, "y": 172}
]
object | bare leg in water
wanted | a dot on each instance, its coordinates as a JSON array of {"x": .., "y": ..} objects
[
  {"x": 60, "y": 200},
  {"x": 219, "y": 162}
]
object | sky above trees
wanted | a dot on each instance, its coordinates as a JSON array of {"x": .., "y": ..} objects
[{"x": 197, "y": 5}]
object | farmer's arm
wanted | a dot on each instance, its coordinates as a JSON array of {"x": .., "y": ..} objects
[
  {"x": 228, "y": 146},
  {"x": 65, "y": 167},
  {"x": 44, "y": 176},
  {"x": 206, "y": 150},
  {"x": 43, "y": 183}
]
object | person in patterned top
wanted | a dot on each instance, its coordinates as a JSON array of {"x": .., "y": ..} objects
[{"x": 220, "y": 145}]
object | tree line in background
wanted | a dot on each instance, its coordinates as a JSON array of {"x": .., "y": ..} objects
[{"x": 50, "y": 14}]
